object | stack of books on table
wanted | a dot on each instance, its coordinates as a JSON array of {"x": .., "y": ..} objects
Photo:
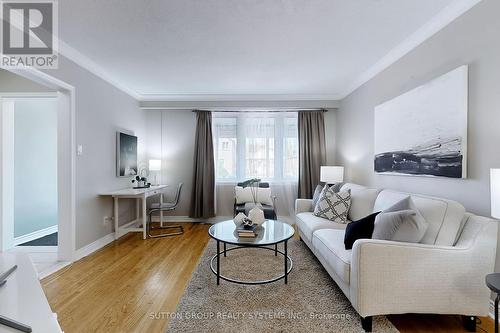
[{"x": 245, "y": 231}]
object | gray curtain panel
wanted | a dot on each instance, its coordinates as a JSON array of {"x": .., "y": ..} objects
[
  {"x": 202, "y": 196},
  {"x": 312, "y": 150}
]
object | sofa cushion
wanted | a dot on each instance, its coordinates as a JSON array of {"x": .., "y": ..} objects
[
  {"x": 308, "y": 223},
  {"x": 443, "y": 216},
  {"x": 362, "y": 200},
  {"x": 329, "y": 245}
]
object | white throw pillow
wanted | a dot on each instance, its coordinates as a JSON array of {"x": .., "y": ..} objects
[
  {"x": 334, "y": 206},
  {"x": 244, "y": 195},
  {"x": 264, "y": 196},
  {"x": 402, "y": 222}
]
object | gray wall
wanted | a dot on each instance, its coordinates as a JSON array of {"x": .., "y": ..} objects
[
  {"x": 330, "y": 136},
  {"x": 35, "y": 165},
  {"x": 101, "y": 110},
  {"x": 173, "y": 143},
  {"x": 13, "y": 83},
  {"x": 472, "y": 39}
]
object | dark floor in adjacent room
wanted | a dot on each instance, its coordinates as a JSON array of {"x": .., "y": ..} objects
[{"x": 49, "y": 240}]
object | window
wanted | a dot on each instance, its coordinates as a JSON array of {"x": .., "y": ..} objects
[
  {"x": 224, "y": 131},
  {"x": 256, "y": 145},
  {"x": 290, "y": 149}
]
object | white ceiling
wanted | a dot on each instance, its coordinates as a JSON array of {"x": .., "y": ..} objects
[{"x": 316, "y": 49}]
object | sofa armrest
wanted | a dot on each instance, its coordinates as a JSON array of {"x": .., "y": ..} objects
[
  {"x": 303, "y": 205},
  {"x": 394, "y": 277}
]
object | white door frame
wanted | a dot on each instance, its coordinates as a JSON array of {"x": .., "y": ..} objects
[{"x": 66, "y": 152}]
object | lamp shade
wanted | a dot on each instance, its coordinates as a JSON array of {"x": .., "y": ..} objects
[
  {"x": 495, "y": 192},
  {"x": 154, "y": 165},
  {"x": 332, "y": 174}
]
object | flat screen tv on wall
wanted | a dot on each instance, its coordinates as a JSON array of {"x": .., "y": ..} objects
[{"x": 126, "y": 155}]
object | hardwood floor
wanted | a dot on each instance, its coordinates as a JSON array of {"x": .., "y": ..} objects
[{"x": 120, "y": 287}]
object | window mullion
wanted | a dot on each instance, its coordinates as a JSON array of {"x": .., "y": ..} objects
[
  {"x": 278, "y": 147},
  {"x": 241, "y": 145}
]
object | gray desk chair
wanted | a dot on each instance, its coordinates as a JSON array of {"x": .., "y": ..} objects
[{"x": 165, "y": 207}]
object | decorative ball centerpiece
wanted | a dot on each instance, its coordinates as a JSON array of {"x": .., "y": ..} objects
[
  {"x": 242, "y": 219},
  {"x": 238, "y": 219},
  {"x": 256, "y": 214},
  {"x": 247, "y": 222}
]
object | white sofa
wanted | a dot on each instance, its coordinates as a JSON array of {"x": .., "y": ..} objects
[{"x": 443, "y": 274}]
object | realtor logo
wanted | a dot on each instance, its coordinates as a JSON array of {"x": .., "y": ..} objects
[{"x": 29, "y": 34}]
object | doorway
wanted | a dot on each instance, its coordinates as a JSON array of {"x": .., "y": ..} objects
[
  {"x": 35, "y": 171},
  {"x": 29, "y": 126},
  {"x": 62, "y": 94}
]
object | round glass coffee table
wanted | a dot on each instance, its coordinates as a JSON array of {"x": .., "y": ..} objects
[{"x": 269, "y": 235}]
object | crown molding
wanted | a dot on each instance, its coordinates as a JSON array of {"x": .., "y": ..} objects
[
  {"x": 239, "y": 105},
  {"x": 235, "y": 97},
  {"x": 437, "y": 23},
  {"x": 91, "y": 66},
  {"x": 446, "y": 16}
]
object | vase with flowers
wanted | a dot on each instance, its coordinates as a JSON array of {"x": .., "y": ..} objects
[
  {"x": 140, "y": 182},
  {"x": 256, "y": 214}
]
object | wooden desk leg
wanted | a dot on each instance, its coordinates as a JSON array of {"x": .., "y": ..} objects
[
  {"x": 161, "y": 211},
  {"x": 115, "y": 217},
  {"x": 144, "y": 217},
  {"x": 137, "y": 209}
]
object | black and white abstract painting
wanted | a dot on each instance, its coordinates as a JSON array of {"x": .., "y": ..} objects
[
  {"x": 424, "y": 131},
  {"x": 126, "y": 155}
]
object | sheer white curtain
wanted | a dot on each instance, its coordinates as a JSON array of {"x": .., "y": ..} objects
[{"x": 256, "y": 145}]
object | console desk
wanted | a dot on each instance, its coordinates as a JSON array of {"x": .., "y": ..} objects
[{"x": 140, "y": 196}]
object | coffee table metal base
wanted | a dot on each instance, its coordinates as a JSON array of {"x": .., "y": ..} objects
[{"x": 288, "y": 263}]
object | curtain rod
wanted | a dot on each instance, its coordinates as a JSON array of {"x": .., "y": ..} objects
[{"x": 261, "y": 111}]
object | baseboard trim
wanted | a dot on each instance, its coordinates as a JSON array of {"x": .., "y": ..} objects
[
  {"x": 52, "y": 269},
  {"x": 101, "y": 242},
  {"x": 187, "y": 219},
  {"x": 35, "y": 235},
  {"x": 94, "y": 246}
]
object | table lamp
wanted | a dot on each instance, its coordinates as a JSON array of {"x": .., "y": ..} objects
[
  {"x": 155, "y": 165},
  {"x": 332, "y": 174},
  {"x": 495, "y": 192}
]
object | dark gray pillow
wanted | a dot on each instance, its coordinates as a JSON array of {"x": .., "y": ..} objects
[
  {"x": 336, "y": 187},
  {"x": 316, "y": 195},
  {"x": 401, "y": 222}
]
